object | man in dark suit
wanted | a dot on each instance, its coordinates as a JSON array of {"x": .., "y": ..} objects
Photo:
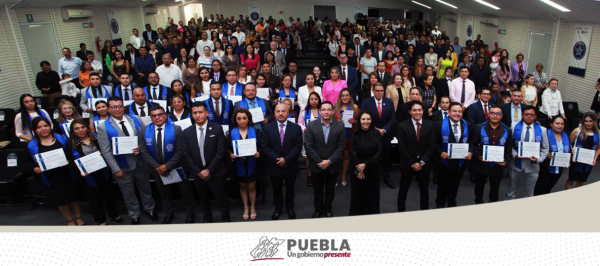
[
  {"x": 204, "y": 152},
  {"x": 161, "y": 148},
  {"x": 297, "y": 79},
  {"x": 140, "y": 105},
  {"x": 150, "y": 35},
  {"x": 349, "y": 74},
  {"x": 125, "y": 89},
  {"x": 444, "y": 110},
  {"x": 369, "y": 43},
  {"x": 250, "y": 101},
  {"x": 491, "y": 133},
  {"x": 454, "y": 130},
  {"x": 219, "y": 108},
  {"x": 480, "y": 74},
  {"x": 403, "y": 111},
  {"x": 274, "y": 82},
  {"x": 379, "y": 53},
  {"x": 131, "y": 54},
  {"x": 281, "y": 152},
  {"x": 416, "y": 150},
  {"x": 258, "y": 49},
  {"x": 383, "y": 76},
  {"x": 384, "y": 117},
  {"x": 82, "y": 53},
  {"x": 514, "y": 110},
  {"x": 288, "y": 53},
  {"x": 443, "y": 85},
  {"x": 479, "y": 111},
  {"x": 217, "y": 73},
  {"x": 359, "y": 50},
  {"x": 325, "y": 141}
]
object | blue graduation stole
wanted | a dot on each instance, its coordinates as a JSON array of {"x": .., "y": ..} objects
[
  {"x": 131, "y": 109},
  {"x": 33, "y": 150},
  {"x": 554, "y": 147},
  {"x": 97, "y": 120},
  {"x": 486, "y": 140},
  {"x": 64, "y": 127},
  {"x": 292, "y": 93},
  {"x": 308, "y": 116},
  {"x": 118, "y": 91},
  {"x": 584, "y": 168},
  {"x": 224, "y": 112},
  {"x": 517, "y": 139},
  {"x": 40, "y": 113},
  {"x": 113, "y": 133},
  {"x": 89, "y": 95},
  {"x": 238, "y": 89},
  {"x": 446, "y": 138},
  {"x": 239, "y": 165},
  {"x": 161, "y": 96},
  {"x": 245, "y": 104},
  {"x": 89, "y": 178},
  {"x": 169, "y": 144}
]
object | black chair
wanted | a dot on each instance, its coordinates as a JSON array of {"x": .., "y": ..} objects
[
  {"x": 42, "y": 102},
  {"x": 7, "y": 118},
  {"x": 14, "y": 166},
  {"x": 15, "y": 142},
  {"x": 573, "y": 114}
]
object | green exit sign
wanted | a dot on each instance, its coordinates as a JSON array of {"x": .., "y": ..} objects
[{"x": 29, "y": 17}]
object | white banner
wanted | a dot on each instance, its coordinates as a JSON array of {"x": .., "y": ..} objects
[
  {"x": 580, "y": 50},
  {"x": 470, "y": 30},
  {"x": 254, "y": 12},
  {"x": 113, "y": 26}
]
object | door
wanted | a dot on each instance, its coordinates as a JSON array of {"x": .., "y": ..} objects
[
  {"x": 539, "y": 50},
  {"x": 34, "y": 35},
  {"x": 325, "y": 11}
]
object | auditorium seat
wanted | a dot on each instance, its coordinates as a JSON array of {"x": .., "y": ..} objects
[{"x": 13, "y": 180}]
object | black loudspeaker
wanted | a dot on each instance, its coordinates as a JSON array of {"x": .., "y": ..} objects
[{"x": 373, "y": 12}]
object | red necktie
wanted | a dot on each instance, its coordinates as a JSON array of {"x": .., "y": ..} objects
[
  {"x": 486, "y": 111},
  {"x": 418, "y": 131},
  {"x": 343, "y": 73},
  {"x": 379, "y": 108}
]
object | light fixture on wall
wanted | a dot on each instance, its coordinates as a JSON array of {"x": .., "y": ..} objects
[
  {"x": 487, "y": 4},
  {"x": 421, "y": 4},
  {"x": 448, "y": 4},
  {"x": 557, "y": 6}
]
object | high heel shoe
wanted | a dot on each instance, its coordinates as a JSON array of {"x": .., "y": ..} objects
[
  {"x": 253, "y": 214},
  {"x": 71, "y": 221},
  {"x": 79, "y": 218}
]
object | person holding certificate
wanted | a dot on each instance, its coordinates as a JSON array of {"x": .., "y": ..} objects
[
  {"x": 453, "y": 149},
  {"x": 98, "y": 188},
  {"x": 127, "y": 168},
  {"x": 162, "y": 151},
  {"x": 258, "y": 107},
  {"x": 179, "y": 110},
  {"x": 59, "y": 184},
  {"x": 66, "y": 114},
  {"x": 586, "y": 136},
  {"x": 530, "y": 145},
  {"x": 345, "y": 103},
  {"x": 219, "y": 108},
  {"x": 95, "y": 90},
  {"x": 560, "y": 149},
  {"x": 101, "y": 115},
  {"x": 140, "y": 106},
  {"x": 248, "y": 168},
  {"x": 309, "y": 113},
  {"x": 492, "y": 148}
]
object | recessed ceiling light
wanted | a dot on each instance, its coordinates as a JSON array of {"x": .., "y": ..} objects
[
  {"x": 557, "y": 6},
  {"x": 452, "y": 6},
  {"x": 421, "y": 4},
  {"x": 487, "y": 4}
]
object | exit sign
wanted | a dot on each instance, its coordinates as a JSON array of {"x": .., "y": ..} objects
[
  {"x": 29, "y": 17},
  {"x": 501, "y": 31}
]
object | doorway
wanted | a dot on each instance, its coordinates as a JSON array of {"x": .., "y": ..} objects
[
  {"x": 325, "y": 11},
  {"x": 192, "y": 11},
  {"x": 539, "y": 50},
  {"x": 34, "y": 35}
]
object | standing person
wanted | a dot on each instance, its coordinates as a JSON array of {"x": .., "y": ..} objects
[
  {"x": 480, "y": 74},
  {"x": 84, "y": 75},
  {"x": 205, "y": 60},
  {"x": 118, "y": 66},
  {"x": 552, "y": 103},
  {"x": 150, "y": 35},
  {"x": 82, "y": 53},
  {"x": 190, "y": 75},
  {"x": 428, "y": 95},
  {"x": 23, "y": 120},
  {"x": 530, "y": 96},
  {"x": 333, "y": 87},
  {"x": 462, "y": 90},
  {"x": 203, "y": 83},
  {"x": 232, "y": 87},
  {"x": 348, "y": 73},
  {"x": 144, "y": 65},
  {"x": 140, "y": 105},
  {"x": 178, "y": 90},
  {"x": 59, "y": 184},
  {"x": 479, "y": 112},
  {"x": 586, "y": 136},
  {"x": 367, "y": 64},
  {"x": 325, "y": 141},
  {"x": 596, "y": 101},
  {"x": 127, "y": 168},
  {"x": 161, "y": 148},
  {"x": 526, "y": 168},
  {"x": 444, "y": 84},
  {"x": 503, "y": 74},
  {"x": 47, "y": 81},
  {"x": 494, "y": 133},
  {"x": 250, "y": 101},
  {"x": 99, "y": 183},
  {"x": 101, "y": 115},
  {"x": 136, "y": 40},
  {"x": 167, "y": 71},
  {"x": 558, "y": 141},
  {"x": 250, "y": 59},
  {"x": 204, "y": 149},
  {"x": 306, "y": 90},
  {"x": 365, "y": 156},
  {"x": 345, "y": 102},
  {"x": 247, "y": 168},
  {"x": 179, "y": 110},
  {"x": 66, "y": 114},
  {"x": 281, "y": 144},
  {"x": 70, "y": 65},
  {"x": 231, "y": 61},
  {"x": 219, "y": 107},
  {"x": 416, "y": 149},
  {"x": 513, "y": 110},
  {"x": 518, "y": 71}
]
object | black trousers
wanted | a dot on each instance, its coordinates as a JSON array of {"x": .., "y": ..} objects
[
  {"x": 406, "y": 177},
  {"x": 290, "y": 192},
  {"x": 323, "y": 181},
  {"x": 448, "y": 182},
  {"x": 546, "y": 180},
  {"x": 365, "y": 193},
  {"x": 216, "y": 186},
  {"x": 480, "y": 180},
  {"x": 386, "y": 148},
  {"x": 165, "y": 195},
  {"x": 101, "y": 197}
]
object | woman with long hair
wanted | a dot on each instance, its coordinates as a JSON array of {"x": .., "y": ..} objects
[
  {"x": 118, "y": 66},
  {"x": 419, "y": 69},
  {"x": 332, "y": 88},
  {"x": 395, "y": 91},
  {"x": 346, "y": 103},
  {"x": 249, "y": 58},
  {"x": 190, "y": 75},
  {"x": 319, "y": 77},
  {"x": 204, "y": 80},
  {"x": 309, "y": 113},
  {"x": 389, "y": 61},
  {"x": 529, "y": 91},
  {"x": 218, "y": 52},
  {"x": 230, "y": 60},
  {"x": 101, "y": 115},
  {"x": 182, "y": 59},
  {"x": 444, "y": 63},
  {"x": 179, "y": 110},
  {"x": 270, "y": 58},
  {"x": 84, "y": 74},
  {"x": 503, "y": 74},
  {"x": 586, "y": 136},
  {"x": 305, "y": 91},
  {"x": 559, "y": 143},
  {"x": 27, "y": 112},
  {"x": 66, "y": 114},
  {"x": 242, "y": 72},
  {"x": 177, "y": 88}
]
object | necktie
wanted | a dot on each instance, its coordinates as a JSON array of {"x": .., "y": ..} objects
[
  {"x": 232, "y": 92},
  {"x": 462, "y": 97},
  {"x": 253, "y": 104},
  {"x": 217, "y": 109},
  {"x": 142, "y": 113},
  {"x": 159, "y": 145},
  {"x": 379, "y": 108},
  {"x": 154, "y": 94},
  {"x": 343, "y": 73},
  {"x": 445, "y": 114},
  {"x": 281, "y": 133},
  {"x": 516, "y": 114},
  {"x": 527, "y": 134},
  {"x": 201, "y": 145},
  {"x": 456, "y": 135},
  {"x": 485, "y": 110},
  {"x": 216, "y": 76},
  {"x": 418, "y": 131},
  {"x": 126, "y": 94},
  {"x": 124, "y": 128},
  {"x": 381, "y": 77}
]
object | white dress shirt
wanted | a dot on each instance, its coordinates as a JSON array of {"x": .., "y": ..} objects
[
  {"x": 201, "y": 44},
  {"x": 127, "y": 125},
  {"x": 138, "y": 108},
  {"x": 219, "y": 104},
  {"x": 137, "y": 41},
  {"x": 151, "y": 92},
  {"x": 344, "y": 70},
  {"x": 459, "y": 128},
  {"x": 97, "y": 65},
  {"x": 241, "y": 37},
  {"x": 162, "y": 137},
  {"x": 178, "y": 115},
  {"x": 132, "y": 54},
  {"x": 415, "y": 123},
  {"x": 128, "y": 90},
  {"x": 168, "y": 74},
  {"x": 552, "y": 103}
]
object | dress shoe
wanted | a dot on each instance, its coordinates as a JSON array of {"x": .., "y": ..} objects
[
  {"x": 153, "y": 216},
  {"x": 168, "y": 219},
  {"x": 276, "y": 215},
  {"x": 316, "y": 215},
  {"x": 135, "y": 221},
  {"x": 328, "y": 214},
  {"x": 389, "y": 183},
  {"x": 208, "y": 220},
  {"x": 118, "y": 220},
  {"x": 291, "y": 214},
  {"x": 189, "y": 219}
]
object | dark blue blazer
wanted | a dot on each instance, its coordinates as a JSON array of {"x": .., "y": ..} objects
[
  {"x": 506, "y": 116},
  {"x": 475, "y": 113},
  {"x": 290, "y": 151},
  {"x": 388, "y": 115},
  {"x": 352, "y": 80}
]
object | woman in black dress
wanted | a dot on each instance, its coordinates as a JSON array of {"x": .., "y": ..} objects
[
  {"x": 97, "y": 184},
  {"x": 586, "y": 136},
  {"x": 365, "y": 156},
  {"x": 247, "y": 168},
  {"x": 59, "y": 183},
  {"x": 596, "y": 101}
]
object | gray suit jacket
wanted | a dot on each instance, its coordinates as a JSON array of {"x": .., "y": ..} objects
[
  {"x": 317, "y": 150},
  {"x": 529, "y": 167},
  {"x": 106, "y": 145},
  {"x": 269, "y": 112},
  {"x": 153, "y": 163},
  {"x": 279, "y": 60},
  {"x": 83, "y": 103}
]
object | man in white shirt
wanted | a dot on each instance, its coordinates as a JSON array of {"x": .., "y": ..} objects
[
  {"x": 136, "y": 40},
  {"x": 203, "y": 42},
  {"x": 552, "y": 101},
  {"x": 96, "y": 65},
  {"x": 436, "y": 32},
  {"x": 70, "y": 65},
  {"x": 239, "y": 35},
  {"x": 462, "y": 90},
  {"x": 167, "y": 71}
]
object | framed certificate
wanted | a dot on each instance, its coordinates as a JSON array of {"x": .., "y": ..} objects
[
  {"x": 529, "y": 149},
  {"x": 585, "y": 156},
  {"x": 493, "y": 153},
  {"x": 458, "y": 150}
]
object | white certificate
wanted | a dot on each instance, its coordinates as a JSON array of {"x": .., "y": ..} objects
[
  {"x": 493, "y": 153},
  {"x": 234, "y": 99},
  {"x": 244, "y": 147},
  {"x": 176, "y": 175},
  {"x": 1, "y": 116},
  {"x": 257, "y": 115},
  {"x": 458, "y": 150},
  {"x": 585, "y": 156},
  {"x": 124, "y": 145},
  {"x": 201, "y": 98},
  {"x": 92, "y": 102},
  {"x": 262, "y": 93},
  {"x": 291, "y": 99},
  {"x": 85, "y": 114},
  {"x": 529, "y": 149},
  {"x": 347, "y": 114},
  {"x": 146, "y": 119},
  {"x": 291, "y": 120},
  {"x": 126, "y": 104},
  {"x": 225, "y": 129},
  {"x": 51, "y": 159},
  {"x": 90, "y": 163},
  {"x": 162, "y": 103},
  {"x": 560, "y": 159},
  {"x": 394, "y": 141},
  {"x": 184, "y": 123}
]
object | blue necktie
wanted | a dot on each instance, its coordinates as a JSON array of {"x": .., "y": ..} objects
[{"x": 527, "y": 134}]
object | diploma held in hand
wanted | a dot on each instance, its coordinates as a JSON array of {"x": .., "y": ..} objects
[
  {"x": 560, "y": 159},
  {"x": 257, "y": 115},
  {"x": 458, "y": 150},
  {"x": 585, "y": 156},
  {"x": 262, "y": 93},
  {"x": 90, "y": 163},
  {"x": 244, "y": 147},
  {"x": 184, "y": 123},
  {"x": 347, "y": 114},
  {"x": 51, "y": 159},
  {"x": 493, "y": 153},
  {"x": 124, "y": 145},
  {"x": 529, "y": 149},
  {"x": 176, "y": 175}
]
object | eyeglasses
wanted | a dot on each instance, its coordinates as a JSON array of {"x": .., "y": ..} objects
[
  {"x": 495, "y": 113},
  {"x": 116, "y": 107},
  {"x": 157, "y": 115}
]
